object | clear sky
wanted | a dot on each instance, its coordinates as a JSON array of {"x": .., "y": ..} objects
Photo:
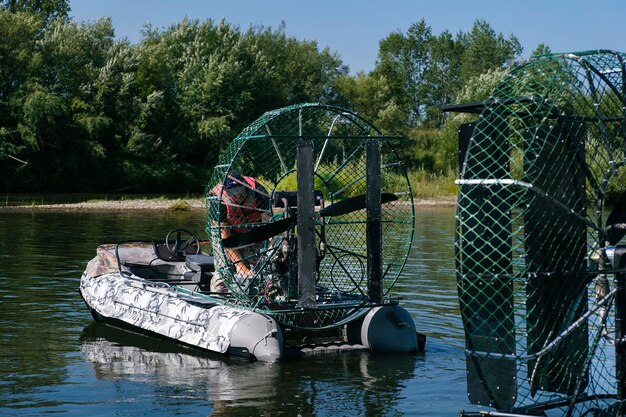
[{"x": 353, "y": 28}]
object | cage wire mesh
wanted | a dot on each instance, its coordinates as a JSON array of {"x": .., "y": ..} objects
[
  {"x": 264, "y": 156},
  {"x": 537, "y": 294}
]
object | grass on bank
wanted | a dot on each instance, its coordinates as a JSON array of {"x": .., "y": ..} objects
[
  {"x": 180, "y": 205},
  {"x": 426, "y": 185}
]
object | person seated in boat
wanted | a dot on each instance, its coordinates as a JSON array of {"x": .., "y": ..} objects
[{"x": 243, "y": 200}]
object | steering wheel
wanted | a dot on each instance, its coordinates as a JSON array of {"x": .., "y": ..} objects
[{"x": 178, "y": 247}]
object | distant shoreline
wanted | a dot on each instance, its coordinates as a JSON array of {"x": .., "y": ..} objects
[
  {"x": 116, "y": 205},
  {"x": 170, "y": 205}
]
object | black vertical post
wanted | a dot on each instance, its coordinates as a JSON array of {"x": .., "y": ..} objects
[
  {"x": 619, "y": 262},
  {"x": 374, "y": 231},
  {"x": 306, "y": 225},
  {"x": 465, "y": 133}
]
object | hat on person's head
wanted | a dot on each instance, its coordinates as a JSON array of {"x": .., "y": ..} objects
[
  {"x": 234, "y": 183},
  {"x": 233, "y": 179}
]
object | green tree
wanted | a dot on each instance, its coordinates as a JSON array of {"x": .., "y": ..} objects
[
  {"x": 484, "y": 50},
  {"x": 426, "y": 71},
  {"x": 404, "y": 60},
  {"x": 370, "y": 96},
  {"x": 476, "y": 89},
  {"x": 200, "y": 83},
  {"x": 19, "y": 35},
  {"x": 297, "y": 70},
  {"x": 48, "y": 9},
  {"x": 542, "y": 49},
  {"x": 82, "y": 111},
  {"x": 442, "y": 80},
  {"x": 56, "y": 105}
]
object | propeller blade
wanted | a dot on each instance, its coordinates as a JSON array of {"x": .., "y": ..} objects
[
  {"x": 615, "y": 230},
  {"x": 353, "y": 204},
  {"x": 258, "y": 234},
  {"x": 261, "y": 233}
]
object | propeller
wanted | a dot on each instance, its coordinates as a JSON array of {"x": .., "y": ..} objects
[
  {"x": 353, "y": 204},
  {"x": 266, "y": 231},
  {"x": 258, "y": 234},
  {"x": 616, "y": 222}
]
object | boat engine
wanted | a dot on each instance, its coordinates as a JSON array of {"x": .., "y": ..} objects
[{"x": 279, "y": 268}]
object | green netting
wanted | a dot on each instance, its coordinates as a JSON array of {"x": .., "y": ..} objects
[
  {"x": 267, "y": 151},
  {"x": 536, "y": 292}
]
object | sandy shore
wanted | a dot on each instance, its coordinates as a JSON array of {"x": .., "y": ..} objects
[
  {"x": 121, "y": 205},
  {"x": 171, "y": 205}
]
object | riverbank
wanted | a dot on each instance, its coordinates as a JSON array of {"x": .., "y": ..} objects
[
  {"x": 117, "y": 205},
  {"x": 170, "y": 205}
]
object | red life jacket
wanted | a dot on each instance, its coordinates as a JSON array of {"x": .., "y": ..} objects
[{"x": 236, "y": 214}]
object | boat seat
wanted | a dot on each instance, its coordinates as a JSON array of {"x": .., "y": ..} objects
[
  {"x": 202, "y": 267},
  {"x": 200, "y": 263}
]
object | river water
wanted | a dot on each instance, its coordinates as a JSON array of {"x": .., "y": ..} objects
[{"x": 54, "y": 360}]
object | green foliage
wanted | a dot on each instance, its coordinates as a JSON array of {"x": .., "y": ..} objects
[
  {"x": 88, "y": 113},
  {"x": 484, "y": 50},
  {"x": 372, "y": 95},
  {"x": 476, "y": 89},
  {"x": 47, "y": 9},
  {"x": 425, "y": 71},
  {"x": 180, "y": 205},
  {"x": 542, "y": 49},
  {"x": 80, "y": 111},
  {"x": 479, "y": 87},
  {"x": 431, "y": 153},
  {"x": 427, "y": 185},
  {"x": 290, "y": 181}
]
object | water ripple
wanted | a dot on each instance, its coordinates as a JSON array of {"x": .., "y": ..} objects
[{"x": 55, "y": 360}]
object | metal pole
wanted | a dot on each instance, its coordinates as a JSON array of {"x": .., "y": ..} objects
[
  {"x": 306, "y": 225},
  {"x": 619, "y": 262},
  {"x": 374, "y": 233}
]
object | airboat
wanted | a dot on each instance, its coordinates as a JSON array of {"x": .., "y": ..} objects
[
  {"x": 331, "y": 238},
  {"x": 540, "y": 269}
]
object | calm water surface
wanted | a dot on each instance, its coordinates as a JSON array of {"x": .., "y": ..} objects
[{"x": 55, "y": 360}]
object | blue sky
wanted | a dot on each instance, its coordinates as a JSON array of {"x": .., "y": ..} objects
[{"x": 353, "y": 29}]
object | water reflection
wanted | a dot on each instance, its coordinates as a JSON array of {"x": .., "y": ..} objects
[
  {"x": 428, "y": 287},
  {"x": 52, "y": 363},
  {"x": 42, "y": 256},
  {"x": 352, "y": 384}
]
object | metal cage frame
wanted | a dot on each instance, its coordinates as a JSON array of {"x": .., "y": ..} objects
[
  {"x": 540, "y": 292},
  {"x": 319, "y": 157}
]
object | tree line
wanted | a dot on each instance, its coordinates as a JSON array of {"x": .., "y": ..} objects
[{"x": 81, "y": 111}]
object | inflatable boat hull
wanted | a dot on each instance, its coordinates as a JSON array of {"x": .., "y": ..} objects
[{"x": 168, "y": 312}]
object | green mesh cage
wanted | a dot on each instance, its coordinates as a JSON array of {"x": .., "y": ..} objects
[
  {"x": 267, "y": 152},
  {"x": 539, "y": 296}
]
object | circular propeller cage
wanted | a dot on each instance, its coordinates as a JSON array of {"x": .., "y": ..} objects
[
  {"x": 265, "y": 155},
  {"x": 536, "y": 292}
]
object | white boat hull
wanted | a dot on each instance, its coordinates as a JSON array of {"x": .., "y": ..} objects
[
  {"x": 167, "y": 303},
  {"x": 168, "y": 312}
]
